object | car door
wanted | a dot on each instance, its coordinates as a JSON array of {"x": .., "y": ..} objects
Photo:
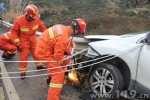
[{"x": 143, "y": 69}]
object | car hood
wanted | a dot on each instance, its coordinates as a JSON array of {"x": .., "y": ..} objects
[
  {"x": 132, "y": 37},
  {"x": 103, "y": 37},
  {"x": 111, "y": 46}
]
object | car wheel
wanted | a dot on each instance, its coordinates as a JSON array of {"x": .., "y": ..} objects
[{"x": 105, "y": 79}]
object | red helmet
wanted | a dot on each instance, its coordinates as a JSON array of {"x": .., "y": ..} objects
[
  {"x": 32, "y": 11},
  {"x": 79, "y": 24}
]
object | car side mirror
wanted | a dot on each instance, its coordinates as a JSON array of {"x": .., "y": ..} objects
[{"x": 148, "y": 38}]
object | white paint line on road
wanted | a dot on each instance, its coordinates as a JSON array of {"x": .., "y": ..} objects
[
  {"x": 2, "y": 94},
  {"x": 11, "y": 92}
]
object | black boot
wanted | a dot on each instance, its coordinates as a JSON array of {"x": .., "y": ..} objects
[
  {"x": 23, "y": 76},
  {"x": 41, "y": 67},
  {"x": 6, "y": 57},
  {"x": 48, "y": 80},
  {"x": 12, "y": 54}
]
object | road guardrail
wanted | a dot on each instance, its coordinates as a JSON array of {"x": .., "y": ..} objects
[{"x": 6, "y": 24}]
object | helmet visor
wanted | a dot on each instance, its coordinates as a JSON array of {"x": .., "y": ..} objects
[
  {"x": 37, "y": 16},
  {"x": 81, "y": 31}
]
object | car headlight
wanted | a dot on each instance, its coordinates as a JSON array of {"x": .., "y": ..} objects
[{"x": 91, "y": 53}]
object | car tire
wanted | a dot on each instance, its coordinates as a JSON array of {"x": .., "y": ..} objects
[{"x": 105, "y": 79}]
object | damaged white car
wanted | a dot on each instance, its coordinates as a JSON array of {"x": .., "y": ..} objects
[{"x": 117, "y": 63}]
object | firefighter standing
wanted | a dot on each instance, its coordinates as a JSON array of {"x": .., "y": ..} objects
[
  {"x": 51, "y": 45},
  {"x": 7, "y": 44},
  {"x": 24, "y": 29}
]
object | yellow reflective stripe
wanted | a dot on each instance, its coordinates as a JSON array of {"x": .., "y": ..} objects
[
  {"x": 83, "y": 23},
  {"x": 35, "y": 27},
  {"x": 6, "y": 36},
  {"x": 9, "y": 52},
  {"x": 56, "y": 85},
  {"x": 24, "y": 29},
  {"x": 16, "y": 40},
  {"x": 23, "y": 69},
  {"x": 51, "y": 33},
  {"x": 59, "y": 62},
  {"x": 31, "y": 8},
  {"x": 39, "y": 64}
]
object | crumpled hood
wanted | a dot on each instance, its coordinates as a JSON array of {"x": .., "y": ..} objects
[{"x": 111, "y": 46}]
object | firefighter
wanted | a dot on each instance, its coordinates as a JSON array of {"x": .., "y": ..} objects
[
  {"x": 7, "y": 44},
  {"x": 24, "y": 29},
  {"x": 51, "y": 45}
]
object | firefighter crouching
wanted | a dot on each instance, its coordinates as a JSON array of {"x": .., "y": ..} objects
[{"x": 51, "y": 45}]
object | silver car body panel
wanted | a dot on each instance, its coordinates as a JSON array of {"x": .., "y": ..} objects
[
  {"x": 137, "y": 59},
  {"x": 143, "y": 71},
  {"x": 82, "y": 43},
  {"x": 133, "y": 39},
  {"x": 114, "y": 47},
  {"x": 113, "y": 44},
  {"x": 126, "y": 38}
]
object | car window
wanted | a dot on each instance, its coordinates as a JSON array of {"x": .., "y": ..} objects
[
  {"x": 148, "y": 38},
  {"x": 142, "y": 40}
]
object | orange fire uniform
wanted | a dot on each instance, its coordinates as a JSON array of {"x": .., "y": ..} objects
[
  {"x": 7, "y": 43},
  {"x": 51, "y": 45},
  {"x": 24, "y": 32}
]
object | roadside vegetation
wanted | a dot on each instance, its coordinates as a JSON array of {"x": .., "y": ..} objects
[{"x": 102, "y": 16}]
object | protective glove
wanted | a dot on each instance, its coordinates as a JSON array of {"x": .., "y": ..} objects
[
  {"x": 67, "y": 52},
  {"x": 19, "y": 47},
  {"x": 64, "y": 62},
  {"x": 61, "y": 63}
]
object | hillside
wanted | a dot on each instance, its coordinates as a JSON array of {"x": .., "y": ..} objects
[{"x": 102, "y": 16}]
